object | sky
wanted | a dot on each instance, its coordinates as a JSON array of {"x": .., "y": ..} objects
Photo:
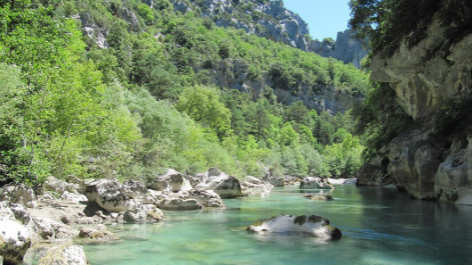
[{"x": 324, "y": 17}]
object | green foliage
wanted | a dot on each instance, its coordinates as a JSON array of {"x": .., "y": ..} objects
[
  {"x": 203, "y": 105},
  {"x": 389, "y": 22},
  {"x": 146, "y": 102},
  {"x": 379, "y": 118}
]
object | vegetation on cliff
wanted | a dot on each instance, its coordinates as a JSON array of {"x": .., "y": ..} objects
[
  {"x": 388, "y": 23},
  {"x": 138, "y": 93}
]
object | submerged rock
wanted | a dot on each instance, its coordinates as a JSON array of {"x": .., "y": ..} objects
[
  {"x": 319, "y": 198},
  {"x": 97, "y": 234},
  {"x": 67, "y": 254},
  {"x": 221, "y": 183},
  {"x": 313, "y": 225},
  {"x": 315, "y": 183}
]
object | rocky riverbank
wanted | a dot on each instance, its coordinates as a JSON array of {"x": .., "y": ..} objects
[
  {"x": 73, "y": 208},
  {"x": 66, "y": 210}
]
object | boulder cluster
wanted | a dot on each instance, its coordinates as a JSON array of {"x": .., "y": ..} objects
[{"x": 76, "y": 208}]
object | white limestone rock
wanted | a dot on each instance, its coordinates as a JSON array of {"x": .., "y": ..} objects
[
  {"x": 313, "y": 225},
  {"x": 50, "y": 229},
  {"x": 221, "y": 183},
  {"x": 60, "y": 186},
  {"x": 178, "y": 204},
  {"x": 207, "y": 198},
  {"x": 173, "y": 179},
  {"x": 67, "y": 254},
  {"x": 73, "y": 197},
  {"x": 147, "y": 213},
  {"x": 19, "y": 193},
  {"x": 15, "y": 239},
  {"x": 315, "y": 183},
  {"x": 109, "y": 195}
]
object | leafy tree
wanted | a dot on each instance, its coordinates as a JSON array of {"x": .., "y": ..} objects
[{"x": 203, "y": 105}]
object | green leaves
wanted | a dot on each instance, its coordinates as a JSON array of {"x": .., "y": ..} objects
[{"x": 203, "y": 105}]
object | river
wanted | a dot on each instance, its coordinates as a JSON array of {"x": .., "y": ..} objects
[{"x": 379, "y": 226}]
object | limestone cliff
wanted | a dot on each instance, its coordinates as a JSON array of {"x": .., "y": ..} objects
[
  {"x": 431, "y": 158},
  {"x": 270, "y": 19},
  {"x": 346, "y": 48}
]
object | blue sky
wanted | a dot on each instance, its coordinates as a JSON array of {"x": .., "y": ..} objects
[{"x": 324, "y": 17}]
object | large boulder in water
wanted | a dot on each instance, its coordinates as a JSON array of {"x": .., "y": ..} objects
[
  {"x": 253, "y": 185},
  {"x": 221, "y": 183},
  {"x": 313, "y": 225},
  {"x": 108, "y": 194},
  {"x": 315, "y": 183},
  {"x": 173, "y": 179},
  {"x": 67, "y": 254}
]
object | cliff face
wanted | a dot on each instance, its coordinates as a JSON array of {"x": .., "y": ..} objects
[
  {"x": 234, "y": 74},
  {"x": 429, "y": 159},
  {"x": 270, "y": 19},
  {"x": 346, "y": 48}
]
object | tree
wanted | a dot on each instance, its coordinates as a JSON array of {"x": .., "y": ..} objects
[
  {"x": 203, "y": 105},
  {"x": 299, "y": 113}
]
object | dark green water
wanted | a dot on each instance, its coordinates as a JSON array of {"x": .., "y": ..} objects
[{"x": 380, "y": 226}]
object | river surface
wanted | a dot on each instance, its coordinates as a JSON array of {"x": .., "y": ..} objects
[{"x": 379, "y": 226}]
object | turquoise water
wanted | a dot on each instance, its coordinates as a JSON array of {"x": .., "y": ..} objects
[{"x": 380, "y": 226}]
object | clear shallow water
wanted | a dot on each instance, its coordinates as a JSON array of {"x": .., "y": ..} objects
[{"x": 379, "y": 226}]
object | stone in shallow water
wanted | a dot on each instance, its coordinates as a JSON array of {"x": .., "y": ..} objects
[
  {"x": 220, "y": 182},
  {"x": 319, "y": 198},
  {"x": 67, "y": 254},
  {"x": 313, "y": 225}
]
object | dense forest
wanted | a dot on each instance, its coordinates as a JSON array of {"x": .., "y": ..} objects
[{"x": 122, "y": 89}]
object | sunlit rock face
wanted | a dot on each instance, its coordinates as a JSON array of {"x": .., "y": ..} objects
[
  {"x": 268, "y": 19},
  {"x": 221, "y": 183},
  {"x": 66, "y": 254},
  {"x": 346, "y": 48},
  {"x": 109, "y": 195},
  {"x": 430, "y": 157},
  {"x": 312, "y": 225},
  {"x": 315, "y": 183}
]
